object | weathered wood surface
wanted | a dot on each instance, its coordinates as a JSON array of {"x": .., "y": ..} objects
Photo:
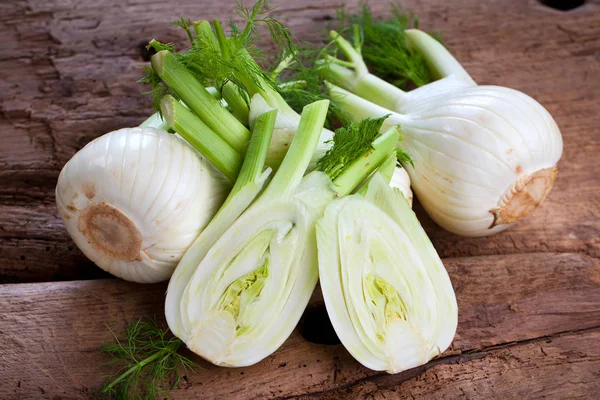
[
  {"x": 68, "y": 74},
  {"x": 529, "y": 325}
]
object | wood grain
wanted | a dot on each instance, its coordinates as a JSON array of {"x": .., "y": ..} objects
[
  {"x": 530, "y": 316},
  {"x": 68, "y": 74},
  {"x": 560, "y": 367}
]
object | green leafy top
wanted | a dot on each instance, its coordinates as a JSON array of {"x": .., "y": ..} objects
[
  {"x": 260, "y": 13},
  {"x": 349, "y": 143},
  {"x": 380, "y": 42},
  {"x": 383, "y": 46},
  {"x": 186, "y": 25},
  {"x": 150, "y": 364},
  {"x": 403, "y": 157},
  {"x": 300, "y": 84},
  {"x": 216, "y": 58},
  {"x": 157, "y": 88}
]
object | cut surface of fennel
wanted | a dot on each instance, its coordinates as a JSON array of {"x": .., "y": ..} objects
[
  {"x": 245, "y": 295},
  {"x": 242, "y": 289},
  {"x": 274, "y": 241},
  {"x": 386, "y": 291}
]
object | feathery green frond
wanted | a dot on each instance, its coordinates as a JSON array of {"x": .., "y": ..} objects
[
  {"x": 234, "y": 59},
  {"x": 348, "y": 145},
  {"x": 260, "y": 13},
  {"x": 383, "y": 45},
  {"x": 157, "y": 87},
  {"x": 186, "y": 25},
  {"x": 150, "y": 364},
  {"x": 403, "y": 157},
  {"x": 301, "y": 82}
]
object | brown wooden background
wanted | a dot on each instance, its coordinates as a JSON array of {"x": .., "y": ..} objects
[{"x": 529, "y": 298}]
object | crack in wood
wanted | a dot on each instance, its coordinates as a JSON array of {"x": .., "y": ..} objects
[{"x": 467, "y": 355}]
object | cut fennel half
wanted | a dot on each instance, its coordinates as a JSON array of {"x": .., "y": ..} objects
[{"x": 387, "y": 293}]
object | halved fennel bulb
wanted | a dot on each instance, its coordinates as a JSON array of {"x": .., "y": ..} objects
[
  {"x": 248, "y": 293},
  {"x": 484, "y": 156},
  {"x": 386, "y": 290},
  {"x": 133, "y": 200},
  {"x": 240, "y": 290}
]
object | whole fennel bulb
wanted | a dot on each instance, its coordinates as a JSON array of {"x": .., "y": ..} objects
[
  {"x": 133, "y": 200},
  {"x": 484, "y": 156}
]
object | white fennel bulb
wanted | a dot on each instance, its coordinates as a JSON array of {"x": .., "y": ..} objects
[
  {"x": 240, "y": 290},
  {"x": 484, "y": 156},
  {"x": 386, "y": 291},
  {"x": 250, "y": 290},
  {"x": 133, "y": 200}
]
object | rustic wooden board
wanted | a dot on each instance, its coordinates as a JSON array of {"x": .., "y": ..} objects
[
  {"x": 528, "y": 325},
  {"x": 68, "y": 74},
  {"x": 561, "y": 367}
]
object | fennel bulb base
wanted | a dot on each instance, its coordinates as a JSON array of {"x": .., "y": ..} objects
[
  {"x": 524, "y": 196},
  {"x": 133, "y": 201},
  {"x": 110, "y": 232}
]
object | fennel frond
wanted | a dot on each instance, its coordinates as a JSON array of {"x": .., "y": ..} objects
[
  {"x": 149, "y": 361},
  {"x": 348, "y": 145},
  {"x": 383, "y": 46}
]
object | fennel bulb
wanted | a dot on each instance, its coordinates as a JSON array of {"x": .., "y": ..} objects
[
  {"x": 386, "y": 290},
  {"x": 242, "y": 289},
  {"x": 133, "y": 200},
  {"x": 484, "y": 156}
]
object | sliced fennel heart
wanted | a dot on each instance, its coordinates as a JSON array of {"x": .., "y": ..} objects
[
  {"x": 248, "y": 185},
  {"x": 386, "y": 290},
  {"x": 199, "y": 249},
  {"x": 248, "y": 293},
  {"x": 241, "y": 289}
]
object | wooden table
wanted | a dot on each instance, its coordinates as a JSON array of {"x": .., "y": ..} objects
[{"x": 529, "y": 298}]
